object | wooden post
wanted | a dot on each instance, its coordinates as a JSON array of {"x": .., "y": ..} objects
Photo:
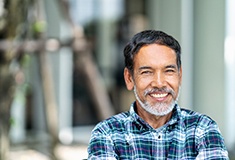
[
  {"x": 51, "y": 107},
  {"x": 99, "y": 94}
]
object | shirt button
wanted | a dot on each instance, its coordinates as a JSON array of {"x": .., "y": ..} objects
[{"x": 159, "y": 136}]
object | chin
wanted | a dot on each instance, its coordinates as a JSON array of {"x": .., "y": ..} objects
[{"x": 159, "y": 111}]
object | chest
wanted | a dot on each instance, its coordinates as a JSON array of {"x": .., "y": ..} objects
[{"x": 155, "y": 145}]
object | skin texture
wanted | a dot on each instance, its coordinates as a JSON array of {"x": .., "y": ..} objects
[{"x": 156, "y": 79}]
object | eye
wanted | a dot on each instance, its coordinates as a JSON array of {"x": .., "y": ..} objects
[
  {"x": 170, "y": 70},
  {"x": 146, "y": 72}
]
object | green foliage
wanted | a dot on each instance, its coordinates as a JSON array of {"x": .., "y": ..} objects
[
  {"x": 38, "y": 28},
  {"x": 12, "y": 122}
]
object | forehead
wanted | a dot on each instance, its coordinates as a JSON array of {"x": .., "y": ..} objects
[{"x": 155, "y": 54}]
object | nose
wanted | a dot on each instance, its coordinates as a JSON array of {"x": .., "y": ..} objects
[{"x": 158, "y": 80}]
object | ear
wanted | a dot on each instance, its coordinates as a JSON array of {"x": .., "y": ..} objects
[{"x": 128, "y": 79}]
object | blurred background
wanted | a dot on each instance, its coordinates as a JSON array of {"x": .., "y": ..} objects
[{"x": 61, "y": 68}]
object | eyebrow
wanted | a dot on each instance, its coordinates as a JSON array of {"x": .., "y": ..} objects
[
  {"x": 148, "y": 67},
  {"x": 144, "y": 67},
  {"x": 171, "y": 66}
]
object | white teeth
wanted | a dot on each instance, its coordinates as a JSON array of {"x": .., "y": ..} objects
[{"x": 159, "y": 95}]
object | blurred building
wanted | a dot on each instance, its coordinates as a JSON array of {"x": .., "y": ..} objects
[{"x": 204, "y": 28}]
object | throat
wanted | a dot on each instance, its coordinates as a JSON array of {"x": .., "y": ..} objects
[{"x": 159, "y": 121}]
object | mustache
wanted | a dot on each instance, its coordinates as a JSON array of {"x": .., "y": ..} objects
[{"x": 164, "y": 89}]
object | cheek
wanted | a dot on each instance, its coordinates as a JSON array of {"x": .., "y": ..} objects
[
  {"x": 174, "y": 83},
  {"x": 142, "y": 83}
]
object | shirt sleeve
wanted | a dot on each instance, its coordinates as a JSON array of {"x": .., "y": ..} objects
[
  {"x": 101, "y": 146},
  {"x": 211, "y": 143}
]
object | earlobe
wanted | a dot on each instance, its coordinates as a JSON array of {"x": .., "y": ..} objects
[{"x": 128, "y": 79}]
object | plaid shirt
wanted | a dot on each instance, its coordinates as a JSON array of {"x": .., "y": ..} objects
[{"x": 188, "y": 135}]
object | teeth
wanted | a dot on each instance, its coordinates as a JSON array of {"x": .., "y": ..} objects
[{"x": 159, "y": 95}]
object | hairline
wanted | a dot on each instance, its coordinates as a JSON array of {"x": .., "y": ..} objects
[{"x": 147, "y": 44}]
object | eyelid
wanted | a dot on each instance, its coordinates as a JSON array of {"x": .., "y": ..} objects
[
  {"x": 145, "y": 71},
  {"x": 171, "y": 67},
  {"x": 171, "y": 70}
]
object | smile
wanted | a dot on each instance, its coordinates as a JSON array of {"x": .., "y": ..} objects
[{"x": 162, "y": 95}]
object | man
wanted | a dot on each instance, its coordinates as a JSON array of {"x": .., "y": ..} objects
[{"x": 155, "y": 127}]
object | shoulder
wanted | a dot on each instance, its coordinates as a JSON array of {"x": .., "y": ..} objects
[
  {"x": 206, "y": 132},
  {"x": 201, "y": 127},
  {"x": 196, "y": 119},
  {"x": 116, "y": 122}
]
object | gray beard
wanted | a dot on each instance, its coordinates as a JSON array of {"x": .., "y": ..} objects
[{"x": 159, "y": 109}]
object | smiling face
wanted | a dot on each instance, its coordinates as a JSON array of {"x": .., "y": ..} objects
[{"x": 156, "y": 79}]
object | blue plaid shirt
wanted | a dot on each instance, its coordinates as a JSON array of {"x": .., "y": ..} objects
[{"x": 188, "y": 135}]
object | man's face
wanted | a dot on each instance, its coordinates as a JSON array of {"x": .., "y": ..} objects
[{"x": 156, "y": 79}]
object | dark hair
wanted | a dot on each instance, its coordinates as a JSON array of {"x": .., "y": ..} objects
[{"x": 150, "y": 37}]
